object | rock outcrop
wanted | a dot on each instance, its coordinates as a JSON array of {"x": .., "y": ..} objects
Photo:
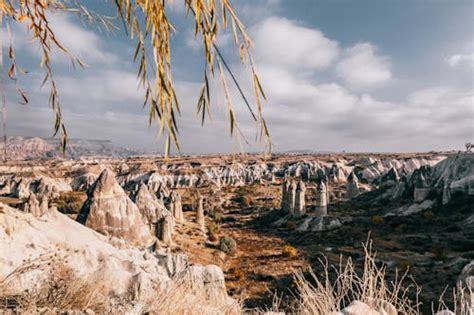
[
  {"x": 321, "y": 207},
  {"x": 175, "y": 206},
  {"x": 166, "y": 229},
  {"x": 199, "y": 209},
  {"x": 352, "y": 188},
  {"x": 300, "y": 205},
  {"x": 127, "y": 279},
  {"x": 152, "y": 209},
  {"x": 108, "y": 210}
]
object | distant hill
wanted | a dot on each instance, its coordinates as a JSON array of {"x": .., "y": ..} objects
[{"x": 27, "y": 148}]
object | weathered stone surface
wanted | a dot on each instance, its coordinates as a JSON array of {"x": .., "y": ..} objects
[
  {"x": 321, "y": 207},
  {"x": 292, "y": 197},
  {"x": 300, "y": 205},
  {"x": 32, "y": 206},
  {"x": 199, "y": 204},
  {"x": 352, "y": 189},
  {"x": 175, "y": 206},
  {"x": 152, "y": 209},
  {"x": 166, "y": 229},
  {"x": 285, "y": 188},
  {"x": 109, "y": 211},
  {"x": 359, "y": 308}
]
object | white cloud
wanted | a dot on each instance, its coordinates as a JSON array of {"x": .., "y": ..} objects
[
  {"x": 282, "y": 42},
  {"x": 461, "y": 59},
  {"x": 362, "y": 68}
]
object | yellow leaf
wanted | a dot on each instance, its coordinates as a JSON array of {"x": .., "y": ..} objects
[{"x": 21, "y": 18}]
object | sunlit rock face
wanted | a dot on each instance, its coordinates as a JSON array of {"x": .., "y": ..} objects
[
  {"x": 151, "y": 208},
  {"x": 300, "y": 205},
  {"x": 175, "y": 206},
  {"x": 109, "y": 211},
  {"x": 321, "y": 207},
  {"x": 352, "y": 189}
]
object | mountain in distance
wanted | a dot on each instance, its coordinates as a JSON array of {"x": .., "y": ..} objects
[{"x": 28, "y": 148}]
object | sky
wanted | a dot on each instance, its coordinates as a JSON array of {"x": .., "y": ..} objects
[{"x": 339, "y": 75}]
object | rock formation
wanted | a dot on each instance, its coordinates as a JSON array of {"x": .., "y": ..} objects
[
  {"x": 166, "y": 229},
  {"x": 44, "y": 205},
  {"x": 292, "y": 197},
  {"x": 109, "y": 211},
  {"x": 199, "y": 209},
  {"x": 124, "y": 278},
  {"x": 321, "y": 199},
  {"x": 150, "y": 207},
  {"x": 175, "y": 206},
  {"x": 352, "y": 189},
  {"x": 32, "y": 206},
  {"x": 300, "y": 206},
  {"x": 21, "y": 190},
  {"x": 285, "y": 189},
  {"x": 422, "y": 188}
]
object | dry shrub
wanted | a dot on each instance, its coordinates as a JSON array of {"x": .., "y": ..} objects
[
  {"x": 377, "y": 219},
  {"x": 291, "y": 225},
  {"x": 227, "y": 244},
  {"x": 70, "y": 202},
  {"x": 289, "y": 251},
  {"x": 320, "y": 295},
  {"x": 212, "y": 230},
  {"x": 183, "y": 296},
  {"x": 60, "y": 288}
]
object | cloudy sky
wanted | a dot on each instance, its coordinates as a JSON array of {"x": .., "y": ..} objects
[{"x": 354, "y": 75}]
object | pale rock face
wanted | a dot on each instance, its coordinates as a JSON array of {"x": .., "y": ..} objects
[
  {"x": 352, "y": 186},
  {"x": 150, "y": 207},
  {"x": 422, "y": 189},
  {"x": 176, "y": 207},
  {"x": 200, "y": 219},
  {"x": 108, "y": 210},
  {"x": 44, "y": 205},
  {"x": 21, "y": 190},
  {"x": 382, "y": 306},
  {"x": 336, "y": 174},
  {"x": 124, "y": 273},
  {"x": 32, "y": 206},
  {"x": 390, "y": 179},
  {"x": 292, "y": 197},
  {"x": 83, "y": 182},
  {"x": 359, "y": 308},
  {"x": 321, "y": 199},
  {"x": 300, "y": 206},
  {"x": 166, "y": 229},
  {"x": 50, "y": 187},
  {"x": 174, "y": 264}
]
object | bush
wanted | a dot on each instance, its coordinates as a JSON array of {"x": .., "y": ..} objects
[
  {"x": 70, "y": 202},
  {"x": 227, "y": 244},
  {"x": 291, "y": 225},
  {"x": 289, "y": 251},
  {"x": 377, "y": 219},
  {"x": 428, "y": 215},
  {"x": 212, "y": 230}
]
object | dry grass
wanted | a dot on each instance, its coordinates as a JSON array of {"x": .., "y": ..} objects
[
  {"x": 320, "y": 295},
  {"x": 60, "y": 289},
  {"x": 183, "y": 296}
]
